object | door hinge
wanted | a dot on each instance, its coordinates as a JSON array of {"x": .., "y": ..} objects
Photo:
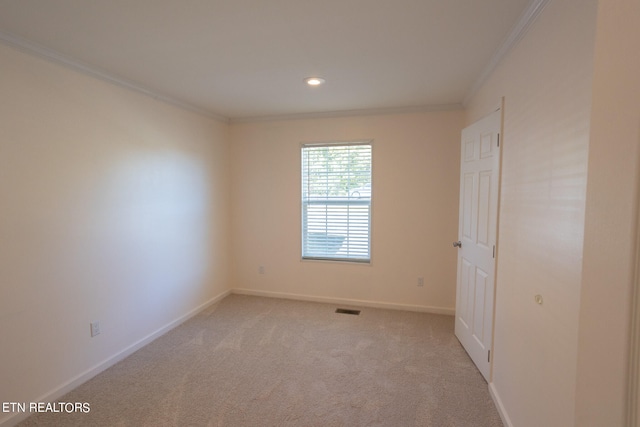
[
  {"x": 489, "y": 356},
  {"x": 494, "y": 251},
  {"x": 498, "y": 140}
]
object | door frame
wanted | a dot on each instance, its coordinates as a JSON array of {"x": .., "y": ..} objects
[
  {"x": 633, "y": 385},
  {"x": 497, "y": 259}
]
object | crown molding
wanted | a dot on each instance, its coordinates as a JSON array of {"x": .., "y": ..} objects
[
  {"x": 348, "y": 113},
  {"x": 73, "y": 64},
  {"x": 515, "y": 35}
]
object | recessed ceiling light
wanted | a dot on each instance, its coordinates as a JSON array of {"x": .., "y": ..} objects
[{"x": 314, "y": 81}]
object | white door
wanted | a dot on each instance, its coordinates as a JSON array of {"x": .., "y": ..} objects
[{"x": 477, "y": 234}]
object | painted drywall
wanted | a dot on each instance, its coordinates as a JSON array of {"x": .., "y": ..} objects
[
  {"x": 414, "y": 214},
  {"x": 114, "y": 208},
  {"x": 611, "y": 217},
  {"x": 546, "y": 81}
]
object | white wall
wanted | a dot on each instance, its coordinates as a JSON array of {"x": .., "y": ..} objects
[
  {"x": 611, "y": 217},
  {"x": 546, "y": 81},
  {"x": 114, "y": 208},
  {"x": 414, "y": 217}
]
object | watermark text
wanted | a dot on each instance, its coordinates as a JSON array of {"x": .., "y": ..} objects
[{"x": 58, "y": 407}]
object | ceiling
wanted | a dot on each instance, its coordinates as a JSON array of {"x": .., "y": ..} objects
[{"x": 241, "y": 59}]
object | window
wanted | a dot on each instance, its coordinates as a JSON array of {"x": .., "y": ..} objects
[{"x": 336, "y": 201}]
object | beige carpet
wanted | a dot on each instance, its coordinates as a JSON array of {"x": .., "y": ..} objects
[{"x": 250, "y": 361}]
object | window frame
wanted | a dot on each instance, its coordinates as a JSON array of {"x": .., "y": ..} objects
[{"x": 368, "y": 202}]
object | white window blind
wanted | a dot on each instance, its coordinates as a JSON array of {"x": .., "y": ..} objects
[{"x": 336, "y": 201}]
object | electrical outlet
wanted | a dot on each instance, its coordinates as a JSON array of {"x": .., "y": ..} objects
[
  {"x": 420, "y": 281},
  {"x": 261, "y": 269},
  {"x": 95, "y": 328}
]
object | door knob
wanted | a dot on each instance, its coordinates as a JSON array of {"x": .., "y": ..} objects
[{"x": 457, "y": 244}]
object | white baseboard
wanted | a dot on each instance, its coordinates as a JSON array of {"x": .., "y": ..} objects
[
  {"x": 107, "y": 363},
  {"x": 501, "y": 409},
  {"x": 355, "y": 302}
]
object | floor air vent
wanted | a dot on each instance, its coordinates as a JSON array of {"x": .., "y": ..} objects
[{"x": 347, "y": 311}]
